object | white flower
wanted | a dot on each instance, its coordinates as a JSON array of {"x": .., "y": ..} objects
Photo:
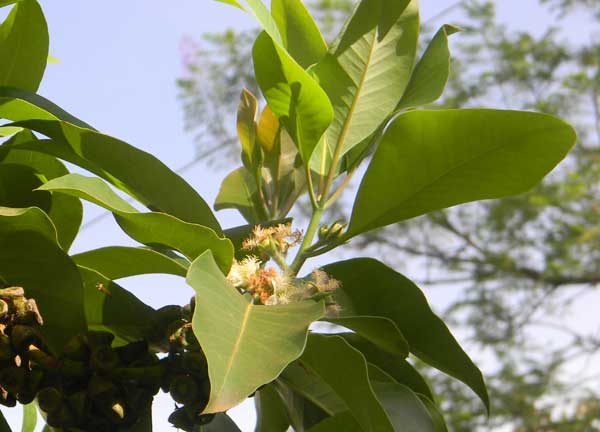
[{"x": 242, "y": 271}]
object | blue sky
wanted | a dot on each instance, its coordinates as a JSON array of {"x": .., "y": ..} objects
[{"x": 118, "y": 64}]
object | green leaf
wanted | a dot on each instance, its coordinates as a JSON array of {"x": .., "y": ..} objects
[
  {"x": 116, "y": 262},
  {"x": 246, "y": 345},
  {"x": 430, "y": 76},
  {"x": 221, "y": 423},
  {"x": 404, "y": 408},
  {"x": 343, "y": 421},
  {"x": 294, "y": 96},
  {"x": 262, "y": 15},
  {"x": 429, "y": 160},
  {"x": 29, "y": 417},
  {"x": 110, "y": 307},
  {"x": 393, "y": 296},
  {"x": 238, "y": 191},
  {"x": 342, "y": 367},
  {"x": 17, "y": 188},
  {"x": 397, "y": 368},
  {"x": 246, "y": 129},
  {"x": 365, "y": 75},
  {"x": 65, "y": 211},
  {"x": 152, "y": 182},
  {"x": 297, "y": 378},
  {"x": 436, "y": 415},
  {"x": 147, "y": 228},
  {"x": 23, "y": 46},
  {"x": 271, "y": 414},
  {"x": 32, "y": 261},
  {"x": 27, "y": 219},
  {"x": 382, "y": 332},
  {"x": 4, "y": 427},
  {"x": 299, "y": 32}
]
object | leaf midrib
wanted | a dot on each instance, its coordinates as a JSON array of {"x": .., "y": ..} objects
[
  {"x": 236, "y": 348},
  {"x": 348, "y": 119}
]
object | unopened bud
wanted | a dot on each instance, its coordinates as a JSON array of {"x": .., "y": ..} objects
[
  {"x": 131, "y": 352},
  {"x": 76, "y": 349},
  {"x": 11, "y": 292},
  {"x": 104, "y": 359},
  {"x": 22, "y": 336},
  {"x": 100, "y": 339},
  {"x": 12, "y": 379},
  {"x": 50, "y": 400},
  {"x": 195, "y": 362},
  {"x": 184, "y": 389}
]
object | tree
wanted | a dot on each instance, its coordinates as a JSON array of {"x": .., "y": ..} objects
[
  {"x": 519, "y": 262},
  {"x": 86, "y": 350}
]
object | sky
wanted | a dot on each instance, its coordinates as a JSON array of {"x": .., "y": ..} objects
[{"x": 119, "y": 61}]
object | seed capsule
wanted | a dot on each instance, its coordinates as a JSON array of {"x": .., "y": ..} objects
[
  {"x": 104, "y": 359},
  {"x": 184, "y": 389},
  {"x": 76, "y": 349},
  {"x": 21, "y": 336},
  {"x": 100, "y": 339},
  {"x": 50, "y": 400},
  {"x": 12, "y": 379}
]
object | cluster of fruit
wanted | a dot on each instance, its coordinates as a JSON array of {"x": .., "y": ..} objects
[
  {"x": 187, "y": 373},
  {"x": 91, "y": 385}
]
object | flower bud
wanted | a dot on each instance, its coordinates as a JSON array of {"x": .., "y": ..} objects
[
  {"x": 184, "y": 389},
  {"x": 12, "y": 379},
  {"x": 132, "y": 352},
  {"x": 104, "y": 359},
  {"x": 195, "y": 363},
  {"x": 76, "y": 349},
  {"x": 50, "y": 400},
  {"x": 100, "y": 339},
  {"x": 22, "y": 336}
]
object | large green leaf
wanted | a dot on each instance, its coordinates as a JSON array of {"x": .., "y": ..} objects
[
  {"x": 429, "y": 78},
  {"x": 32, "y": 261},
  {"x": 299, "y": 32},
  {"x": 4, "y": 427},
  {"x": 397, "y": 368},
  {"x": 271, "y": 415},
  {"x": 369, "y": 287},
  {"x": 429, "y": 160},
  {"x": 65, "y": 211},
  {"x": 17, "y": 187},
  {"x": 246, "y": 129},
  {"x": 147, "y": 228},
  {"x": 343, "y": 368},
  {"x": 30, "y": 416},
  {"x": 404, "y": 408},
  {"x": 343, "y": 421},
  {"x": 112, "y": 308},
  {"x": 221, "y": 423},
  {"x": 294, "y": 96},
  {"x": 27, "y": 219},
  {"x": 382, "y": 332},
  {"x": 365, "y": 74},
  {"x": 116, "y": 262},
  {"x": 246, "y": 345},
  {"x": 262, "y": 15},
  {"x": 23, "y": 47},
  {"x": 152, "y": 182},
  {"x": 238, "y": 191},
  {"x": 311, "y": 387}
]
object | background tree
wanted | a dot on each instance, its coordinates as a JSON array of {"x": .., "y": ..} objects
[{"x": 517, "y": 266}]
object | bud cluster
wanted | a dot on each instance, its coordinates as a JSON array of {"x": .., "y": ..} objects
[
  {"x": 92, "y": 385},
  {"x": 186, "y": 377}
]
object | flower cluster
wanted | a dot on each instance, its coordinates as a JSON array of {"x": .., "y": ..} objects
[{"x": 282, "y": 237}]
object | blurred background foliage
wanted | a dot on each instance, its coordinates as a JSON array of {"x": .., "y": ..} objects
[{"x": 519, "y": 276}]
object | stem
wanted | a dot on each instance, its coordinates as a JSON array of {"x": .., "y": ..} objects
[
  {"x": 311, "y": 189},
  {"x": 335, "y": 195},
  {"x": 313, "y": 226}
]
